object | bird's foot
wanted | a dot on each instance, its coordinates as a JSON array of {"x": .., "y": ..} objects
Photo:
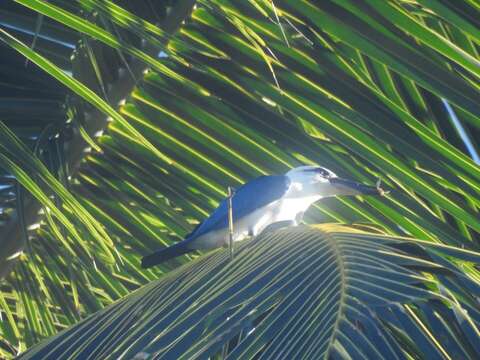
[
  {"x": 279, "y": 225},
  {"x": 299, "y": 218}
]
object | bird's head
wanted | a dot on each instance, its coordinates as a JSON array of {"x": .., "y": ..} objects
[{"x": 318, "y": 180}]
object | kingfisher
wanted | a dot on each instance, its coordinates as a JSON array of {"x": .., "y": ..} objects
[{"x": 264, "y": 203}]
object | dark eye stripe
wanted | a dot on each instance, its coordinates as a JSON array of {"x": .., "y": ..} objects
[{"x": 321, "y": 171}]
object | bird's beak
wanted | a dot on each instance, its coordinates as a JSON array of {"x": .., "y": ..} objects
[{"x": 349, "y": 187}]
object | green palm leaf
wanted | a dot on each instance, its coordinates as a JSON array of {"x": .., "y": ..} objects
[{"x": 319, "y": 292}]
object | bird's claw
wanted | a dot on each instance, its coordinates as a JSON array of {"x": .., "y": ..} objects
[{"x": 381, "y": 191}]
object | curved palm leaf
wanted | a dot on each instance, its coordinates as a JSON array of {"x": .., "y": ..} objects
[{"x": 324, "y": 291}]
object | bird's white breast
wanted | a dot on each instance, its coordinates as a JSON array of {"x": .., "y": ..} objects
[
  {"x": 254, "y": 223},
  {"x": 291, "y": 207}
]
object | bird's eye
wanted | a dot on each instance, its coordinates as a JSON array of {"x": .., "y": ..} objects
[{"x": 322, "y": 172}]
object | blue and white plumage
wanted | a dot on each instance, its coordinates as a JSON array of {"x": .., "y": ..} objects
[{"x": 261, "y": 202}]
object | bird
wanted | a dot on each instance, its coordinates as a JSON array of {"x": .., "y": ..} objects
[{"x": 261, "y": 204}]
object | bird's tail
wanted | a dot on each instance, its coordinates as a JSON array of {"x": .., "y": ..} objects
[{"x": 165, "y": 254}]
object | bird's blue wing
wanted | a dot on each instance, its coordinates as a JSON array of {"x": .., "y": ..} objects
[{"x": 249, "y": 197}]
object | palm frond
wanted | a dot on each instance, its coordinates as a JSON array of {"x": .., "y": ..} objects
[{"x": 310, "y": 292}]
